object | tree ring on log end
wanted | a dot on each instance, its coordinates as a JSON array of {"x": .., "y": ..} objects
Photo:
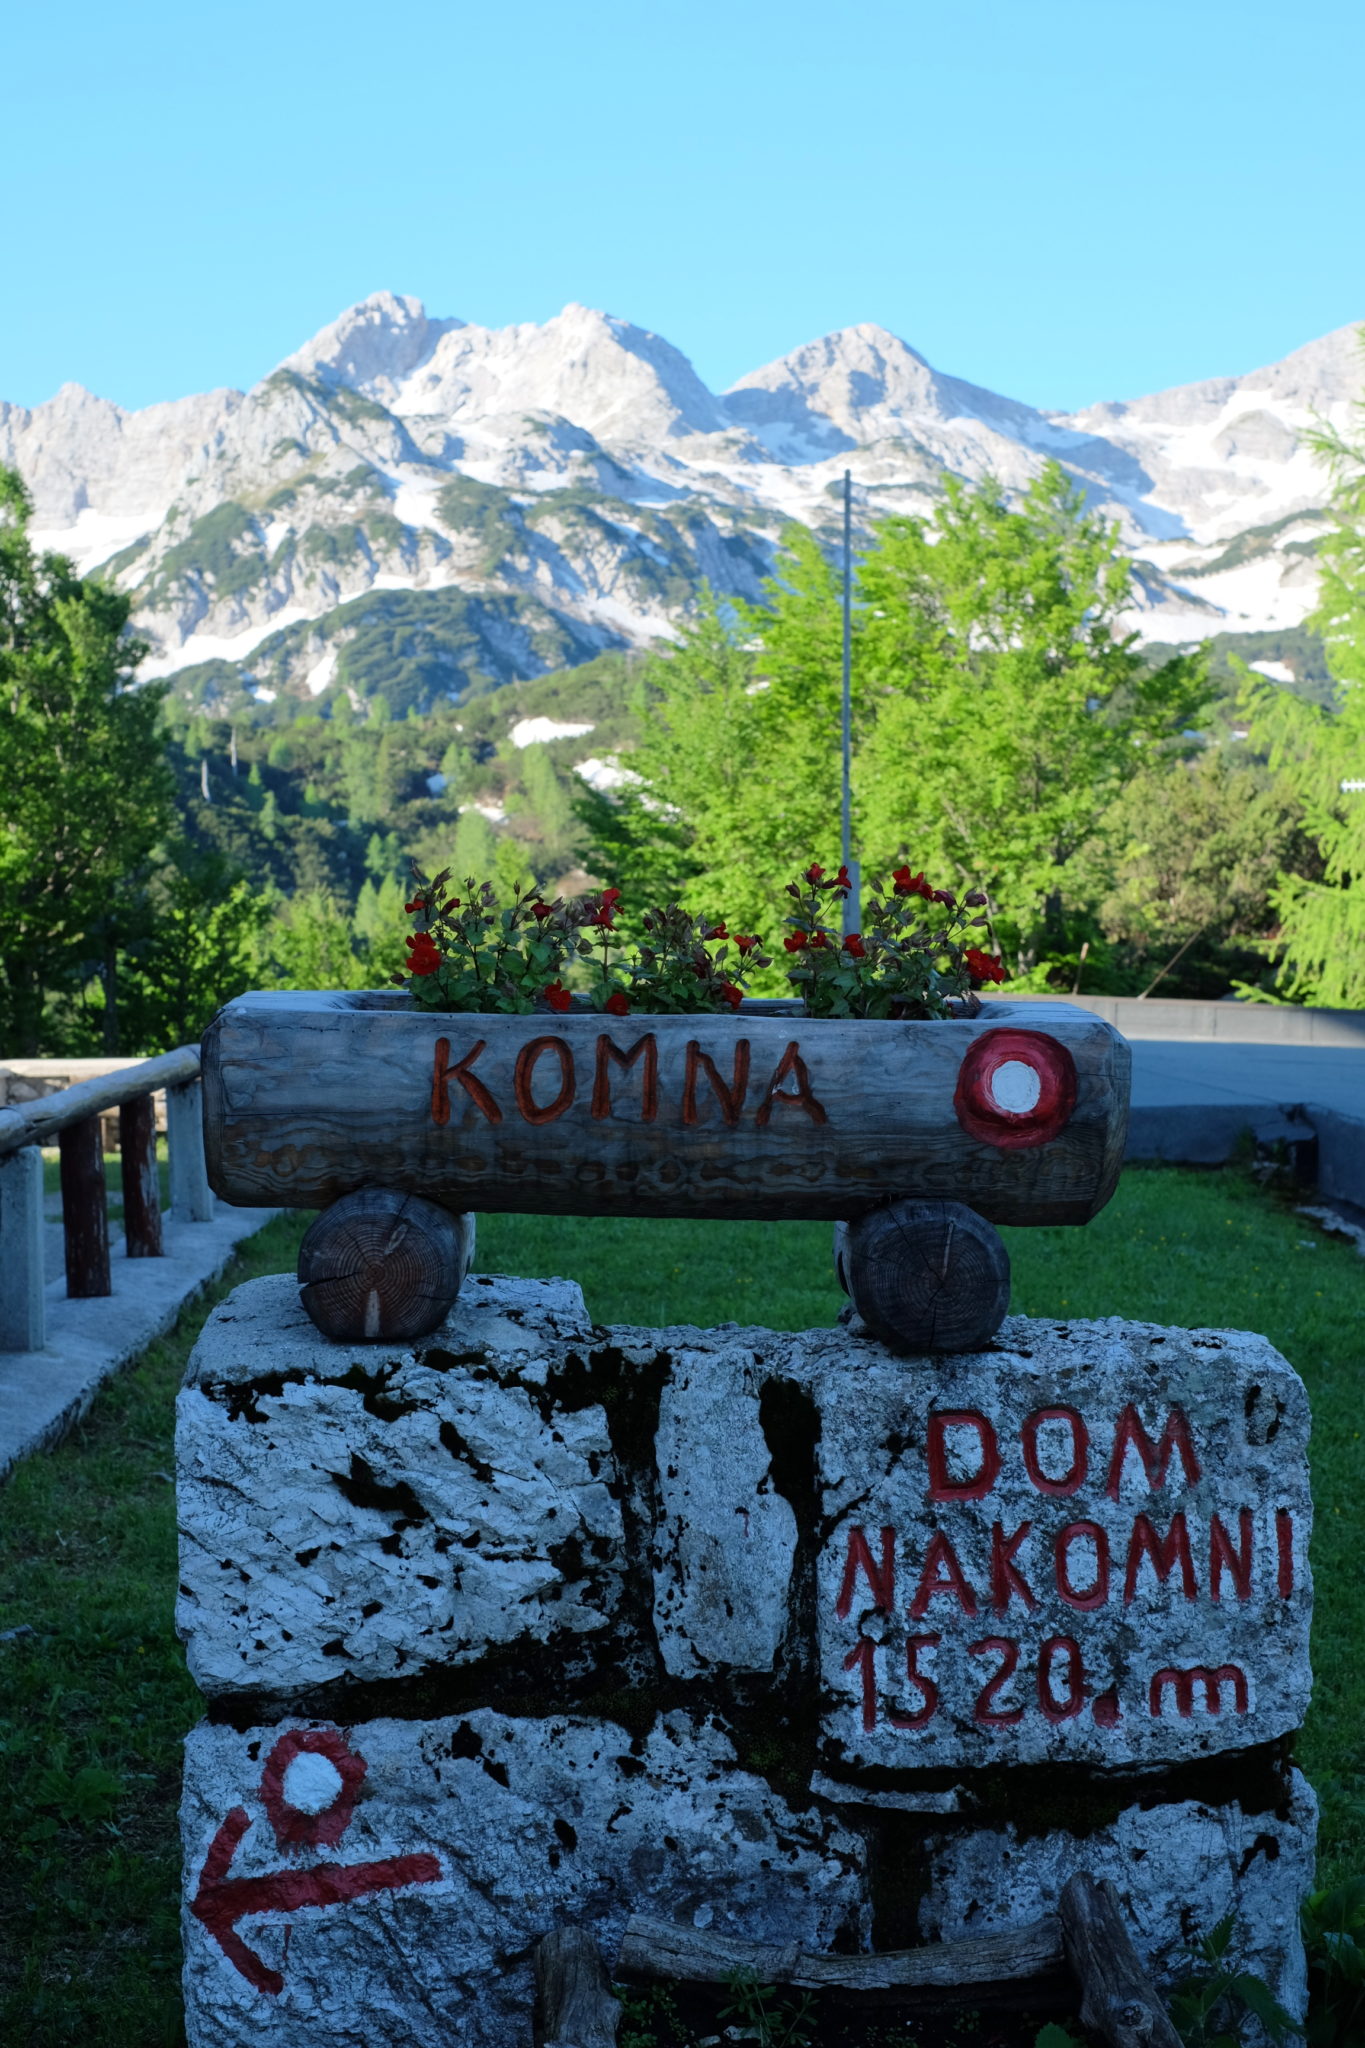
[
  {"x": 1015, "y": 1088},
  {"x": 927, "y": 1276},
  {"x": 383, "y": 1266}
]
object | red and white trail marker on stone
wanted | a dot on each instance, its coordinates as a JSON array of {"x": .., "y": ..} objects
[{"x": 323, "y": 1776}]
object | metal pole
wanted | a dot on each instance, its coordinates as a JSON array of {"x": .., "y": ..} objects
[{"x": 853, "y": 916}]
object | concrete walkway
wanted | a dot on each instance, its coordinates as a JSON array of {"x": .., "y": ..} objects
[
  {"x": 42, "y": 1393},
  {"x": 1194, "y": 1102}
]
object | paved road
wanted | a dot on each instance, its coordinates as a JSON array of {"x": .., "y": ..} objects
[
  {"x": 1194, "y": 1102},
  {"x": 1167, "y": 1072}
]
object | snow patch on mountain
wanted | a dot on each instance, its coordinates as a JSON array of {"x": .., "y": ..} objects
[
  {"x": 1232, "y": 452},
  {"x": 534, "y": 732},
  {"x": 580, "y": 477}
]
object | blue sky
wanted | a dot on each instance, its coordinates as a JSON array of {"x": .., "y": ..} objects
[{"x": 1065, "y": 200}]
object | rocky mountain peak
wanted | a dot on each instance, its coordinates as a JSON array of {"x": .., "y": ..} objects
[
  {"x": 373, "y": 346},
  {"x": 614, "y": 380},
  {"x": 859, "y": 385},
  {"x": 565, "y": 485}
]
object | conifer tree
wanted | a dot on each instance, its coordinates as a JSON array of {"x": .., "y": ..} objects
[{"x": 1320, "y": 753}]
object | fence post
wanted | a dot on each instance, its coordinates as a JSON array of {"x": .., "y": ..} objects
[
  {"x": 85, "y": 1210},
  {"x": 191, "y": 1196},
  {"x": 141, "y": 1194},
  {"x": 22, "y": 1325}
]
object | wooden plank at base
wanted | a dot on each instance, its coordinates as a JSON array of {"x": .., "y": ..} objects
[
  {"x": 309, "y": 1097},
  {"x": 653, "y": 1948}
]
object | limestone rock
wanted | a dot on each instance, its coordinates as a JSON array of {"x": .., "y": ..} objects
[
  {"x": 1178, "y": 1868},
  {"x": 367, "y": 1514},
  {"x": 453, "y": 1846},
  {"x": 1087, "y": 1544},
  {"x": 726, "y": 1539}
]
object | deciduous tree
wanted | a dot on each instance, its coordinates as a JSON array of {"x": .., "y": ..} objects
[{"x": 85, "y": 795}]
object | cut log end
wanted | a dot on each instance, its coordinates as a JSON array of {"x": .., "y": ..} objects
[
  {"x": 577, "y": 2008},
  {"x": 926, "y": 1276},
  {"x": 382, "y": 1266}
]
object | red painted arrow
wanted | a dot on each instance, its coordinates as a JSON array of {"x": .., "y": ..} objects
[{"x": 221, "y": 1901}]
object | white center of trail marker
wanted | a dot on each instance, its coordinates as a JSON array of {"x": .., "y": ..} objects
[
  {"x": 311, "y": 1782},
  {"x": 1016, "y": 1087}
]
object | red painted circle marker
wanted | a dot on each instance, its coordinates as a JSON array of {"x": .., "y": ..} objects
[
  {"x": 300, "y": 1819},
  {"x": 1015, "y": 1088}
]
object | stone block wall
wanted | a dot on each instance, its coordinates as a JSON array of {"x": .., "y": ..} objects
[{"x": 537, "y": 1621}]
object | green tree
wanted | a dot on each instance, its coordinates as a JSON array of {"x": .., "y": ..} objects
[
  {"x": 551, "y": 805},
  {"x": 997, "y": 713},
  {"x": 738, "y": 758},
  {"x": 473, "y": 849},
  {"x": 1010, "y": 708},
  {"x": 308, "y": 944},
  {"x": 379, "y": 924},
  {"x": 85, "y": 796},
  {"x": 198, "y": 947},
  {"x": 1319, "y": 752},
  {"x": 1195, "y": 848}
]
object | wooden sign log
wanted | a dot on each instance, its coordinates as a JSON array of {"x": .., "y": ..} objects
[
  {"x": 654, "y": 1948},
  {"x": 1020, "y": 1115},
  {"x": 380, "y": 1265},
  {"x": 925, "y": 1276},
  {"x": 1119, "y": 2002}
]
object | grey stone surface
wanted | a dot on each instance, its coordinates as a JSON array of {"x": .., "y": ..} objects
[
  {"x": 374, "y": 1510},
  {"x": 526, "y": 1824},
  {"x": 1178, "y": 1869},
  {"x": 978, "y": 1595},
  {"x": 726, "y": 1539}
]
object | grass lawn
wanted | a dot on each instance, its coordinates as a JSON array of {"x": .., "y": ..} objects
[{"x": 94, "y": 1699}]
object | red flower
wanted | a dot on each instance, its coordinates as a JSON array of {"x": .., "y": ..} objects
[
  {"x": 733, "y": 996},
  {"x": 814, "y": 873},
  {"x": 617, "y": 1003},
  {"x": 416, "y": 904},
  {"x": 556, "y": 996},
  {"x": 745, "y": 945},
  {"x": 853, "y": 945},
  {"x": 841, "y": 879},
  {"x": 817, "y": 938},
  {"x": 424, "y": 955},
  {"x": 911, "y": 885},
  {"x": 718, "y": 931},
  {"x": 611, "y": 896},
  {"x": 794, "y": 941},
  {"x": 453, "y": 904},
  {"x": 602, "y": 921},
  {"x": 944, "y": 896},
  {"x": 982, "y": 967},
  {"x": 540, "y": 911}
]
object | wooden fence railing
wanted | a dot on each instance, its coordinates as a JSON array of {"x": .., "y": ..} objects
[{"x": 71, "y": 1119}]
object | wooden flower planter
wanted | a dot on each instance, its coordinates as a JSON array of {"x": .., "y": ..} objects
[{"x": 399, "y": 1123}]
